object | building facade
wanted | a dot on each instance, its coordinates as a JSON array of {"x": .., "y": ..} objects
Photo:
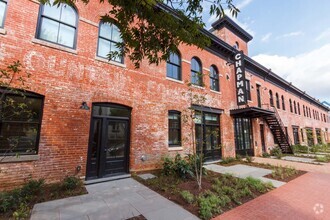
[{"x": 96, "y": 118}]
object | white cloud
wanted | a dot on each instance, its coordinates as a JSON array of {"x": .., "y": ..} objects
[
  {"x": 324, "y": 35},
  {"x": 266, "y": 37},
  {"x": 310, "y": 71},
  {"x": 291, "y": 34}
]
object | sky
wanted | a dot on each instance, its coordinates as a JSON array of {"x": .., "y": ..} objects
[{"x": 291, "y": 37}]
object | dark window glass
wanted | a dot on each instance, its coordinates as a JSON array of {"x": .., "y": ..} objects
[
  {"x": 111, "y": 111},
  {"x": 304, "y": 110},
  {"x": 109, "y": 38},
  {"x": 277, "y": 101},
  {"x": 283, "y": 103},
  {"x": 295, "y": 107},
  {"x": 248, "y": 89},
  {"x": 298, "y": 106},
  {"x": 271, "y": 98},
  {"x": 173, "y": 66},
  {"x": 20, "y": 121},
  {"x": 174, "y": 128},
  {"x": 58, "y": 24},
  {"x": 214, "y": 78},
  {"x": 295, "y": 134},
  {"x": 290, "y": 105},
  {"x": 243, "y": 135},
  {"x": 318, "y": 136},
  {"x": 196, "y": 72},
  {"x": 3, "y": 7},
  {"x": 207, "y": 128}
]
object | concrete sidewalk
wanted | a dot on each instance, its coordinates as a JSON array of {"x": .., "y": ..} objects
[
  {"x": 115, "y": 200},
  {"x": 306, "y": 197},
  {"x": 243, "y": 171}
]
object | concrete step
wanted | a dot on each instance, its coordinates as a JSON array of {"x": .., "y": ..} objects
[{"x": 106, "y": 179}]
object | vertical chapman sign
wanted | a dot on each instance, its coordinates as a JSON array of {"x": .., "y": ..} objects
[{"x": 240, "y": 78}]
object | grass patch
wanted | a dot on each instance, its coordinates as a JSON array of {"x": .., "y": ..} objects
[{"x": 18, "y": 202}]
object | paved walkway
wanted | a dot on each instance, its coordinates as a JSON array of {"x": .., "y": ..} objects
[
  {"x": 243, "y": 171},
  {"x": 299, "y": 166},
  {"x": 306, "y": 197},
  {"x": 115, "y": 200}
]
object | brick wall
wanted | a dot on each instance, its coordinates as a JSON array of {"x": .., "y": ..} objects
[{"x": 68, "y": 77}]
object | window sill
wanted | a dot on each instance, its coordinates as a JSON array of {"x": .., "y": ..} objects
[
  {"x": 3, "y": 31},
  {"x": 217, "y": 92},
  {"x": 22, "y": 158},
  {"x": 109, "y": 62},
  {"x": 54, "y": 46},
  {"x": 177, "y": 148},
  {"x": 197, "y": 87},
  {"x": 174, "y": 80},
  {"x": 250, "y": 101}
]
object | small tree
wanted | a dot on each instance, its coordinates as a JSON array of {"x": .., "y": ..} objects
[
  {"x": 190, "y": 117},
  {"x": 12, "y": 81}
]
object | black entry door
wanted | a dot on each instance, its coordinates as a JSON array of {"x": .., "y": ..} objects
[
  {"x": 108, "y": 145},
  {"x": 262, "y": 136}
]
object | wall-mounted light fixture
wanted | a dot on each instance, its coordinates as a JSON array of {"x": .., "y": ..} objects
[
  {"x": 84, "y": 106},
  {"x": 229, "y": 62}
]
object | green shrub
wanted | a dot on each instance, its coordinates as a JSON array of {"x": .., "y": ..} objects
[
  {"x": 182, "y": 167},
  {"x": 22, "y": 212},
  {"x": 71, "y": 183},
  {"x": 276, "y": 152},
  {"x": 228, "y": 160},
  {"x": 209, "y": 205},
  {"x": 283, "y": 172},
  {"x": 258, "y": 185},
  {"x": 265, "y": 154},
  {"x": 249, "y": 159},
  {"x": 168, "y": 166},
  {"x": 322, "y": 159},
  {"x": 300, "y": 148},
  {"x": 238, "y": 157},
  {"x": 187, "y": 196}
]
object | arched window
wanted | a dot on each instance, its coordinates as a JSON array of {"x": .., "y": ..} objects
[
  {"x": 3, "y": 9},
  {"x": 20, "y": 123},
  {"x": 304, "y": 110},
  {"x": 174, "y": 128},
  {"x": 173, "y": 66},
  {"x": 109, "y": 37},
  {"x": 58, "y": 24},
  {"x": 295, "y": 107},
  {"x": 298, "y": 106},
  {"x": 236, "y": 45},
  {"x": 283, "y": 103},
  {"x": 214, "y": 78},
  {"x": 291, "y": 109},
  {"x": 277, "y": 101},
  {"x": 196, "y": 72},
  {"x": 271, "y": 99}
]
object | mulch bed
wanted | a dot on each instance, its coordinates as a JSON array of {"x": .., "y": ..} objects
[
  {"x": 191, "y": 186},
  {"x": 287, "y": 179}
]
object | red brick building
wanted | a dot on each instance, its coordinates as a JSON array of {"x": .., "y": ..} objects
[{"x": 98, "y": 118}]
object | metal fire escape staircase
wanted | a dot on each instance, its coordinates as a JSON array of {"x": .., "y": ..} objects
[{"x": 276, "y": 126}]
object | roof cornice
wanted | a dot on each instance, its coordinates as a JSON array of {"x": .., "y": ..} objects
[{"x": 226, "y": 22}]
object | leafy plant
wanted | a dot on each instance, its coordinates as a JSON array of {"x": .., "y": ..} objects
[
  {"x": 249, "y": 159},
  {"x": 228, "y": 160},
  {"x": 71, "y": 183},
  {"x": 209, "y": 205},
  {"x": 22, "y": 212},
  {"x": 265, "y": 154},
  {"x": 187, "y": 196},
  {"x": 258, "y": 185},
  {"x": 276, "y": 152},
  {"x": 281, "y": 172},
  {"x": 182, "y": 167}
]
